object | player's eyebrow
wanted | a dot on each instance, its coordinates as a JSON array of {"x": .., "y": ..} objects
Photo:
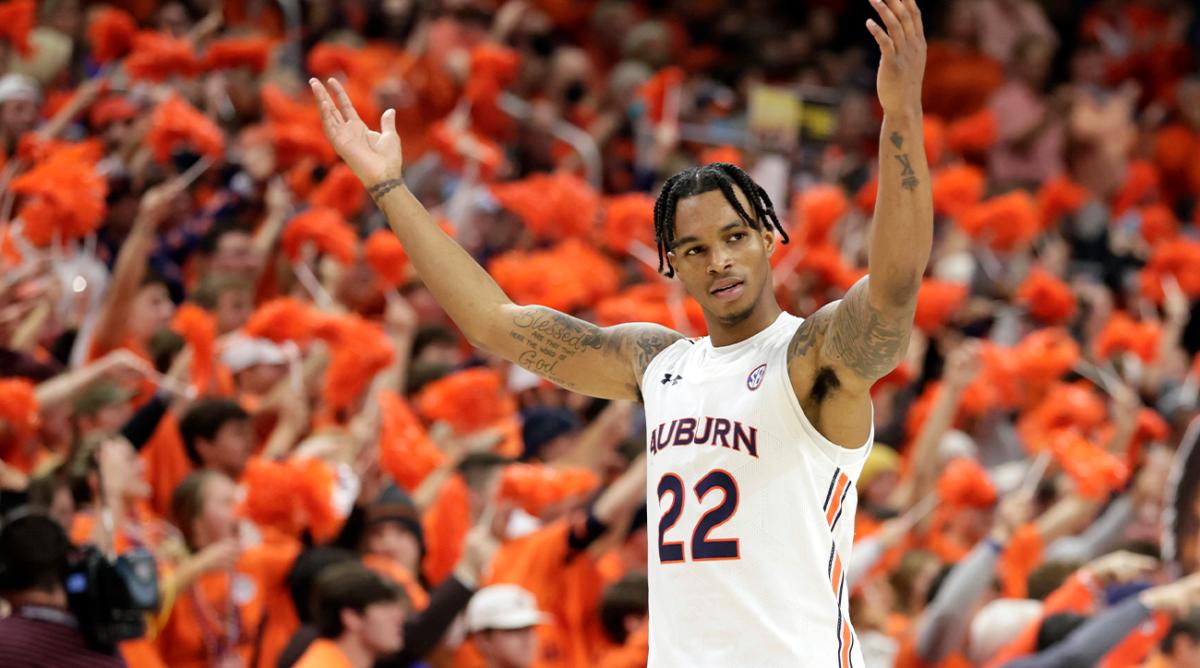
[{"x": 691, "y": 239}]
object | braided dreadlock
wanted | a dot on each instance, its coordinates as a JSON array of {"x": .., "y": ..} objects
[{"x": 721, "y": 176}]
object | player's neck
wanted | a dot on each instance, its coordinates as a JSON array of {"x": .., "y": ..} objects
[{"x": 722, "y": 333}]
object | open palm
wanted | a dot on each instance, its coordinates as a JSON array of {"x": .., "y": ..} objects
[
  {"x": 902, "y": 53},
  {"x": 372, "y": 156}
]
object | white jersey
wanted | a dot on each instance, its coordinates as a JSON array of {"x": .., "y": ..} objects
[{"x": 750, "y": 512}]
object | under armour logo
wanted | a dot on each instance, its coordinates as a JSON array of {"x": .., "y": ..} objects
[{"x": 671, "y": 379}]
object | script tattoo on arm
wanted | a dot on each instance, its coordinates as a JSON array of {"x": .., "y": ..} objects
[{"x": 582, "y": 357}]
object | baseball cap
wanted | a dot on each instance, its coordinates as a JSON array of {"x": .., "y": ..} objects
[
  {"x": 242, "y": 352},
  {"x": 503, "y": 607},
  {"x": 15, "y": 86},
  {"x": 99, "y": 396}
]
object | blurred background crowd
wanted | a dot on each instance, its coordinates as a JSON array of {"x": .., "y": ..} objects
[{"x": 216, "y": 361}]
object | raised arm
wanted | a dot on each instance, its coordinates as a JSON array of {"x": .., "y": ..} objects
[
  {"x": 605, "y": 362},
  {"x": 865, "y": 335},
  {"x": 130, "y": 267}
]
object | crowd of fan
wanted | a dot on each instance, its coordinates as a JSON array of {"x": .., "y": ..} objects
[{"x": 211, "y": 348}]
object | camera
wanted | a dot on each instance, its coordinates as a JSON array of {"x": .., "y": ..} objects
[{"x": 111, "y": 597}]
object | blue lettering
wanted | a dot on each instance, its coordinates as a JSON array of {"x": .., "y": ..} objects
[
  {"x": 720, "y": 431},
  {"x": 750, "y": 439},
  {"x": 686, "y": 432}
]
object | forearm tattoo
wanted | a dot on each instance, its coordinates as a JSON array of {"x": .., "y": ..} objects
[
  {"x": 551, "y": 340},
  {"x": 908, "y": 178},
  {"x": 382, "y": 188}
]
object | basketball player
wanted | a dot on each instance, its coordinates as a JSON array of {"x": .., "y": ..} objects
[{"x": 757, "y": 431}]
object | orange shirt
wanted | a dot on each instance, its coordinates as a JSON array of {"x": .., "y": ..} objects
[
  {"x": 222, "y": 612},
  {"x": 166, "y": 462},
  {"x": 323, "y": 654},
  {"x": 632, "y": 654}
]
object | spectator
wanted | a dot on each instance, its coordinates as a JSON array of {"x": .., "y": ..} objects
[
  {"x": 34, "y": 554},
  {"x": 501, "y": 618},
  {"x": 359, "y": 615},
  {"x": 217, "y": 435}
]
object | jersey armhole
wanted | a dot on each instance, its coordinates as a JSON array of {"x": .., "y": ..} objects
[{"x": 849, "y": 460}]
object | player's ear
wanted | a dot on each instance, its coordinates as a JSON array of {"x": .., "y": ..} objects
[{"x": 768, "y": 237}]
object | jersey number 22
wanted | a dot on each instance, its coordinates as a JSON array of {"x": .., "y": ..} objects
[{"x": 703, "y": 548}]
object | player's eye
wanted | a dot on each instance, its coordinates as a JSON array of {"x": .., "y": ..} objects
[
  {"x": 737, "y": 236},
  {"x": 694, "y": 250}
]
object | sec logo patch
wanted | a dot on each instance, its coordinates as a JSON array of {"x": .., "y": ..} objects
[{"x": 755, "y": 379}]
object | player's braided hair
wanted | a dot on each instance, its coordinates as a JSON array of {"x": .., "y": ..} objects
[{"x": 721, "y": 176}]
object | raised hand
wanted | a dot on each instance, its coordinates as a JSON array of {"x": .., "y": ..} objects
[
  {"x": 902, "y": 46},
  {"x": 374, "y": 157}
]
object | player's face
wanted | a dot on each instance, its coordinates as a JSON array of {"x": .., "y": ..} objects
[{"x": 723, "y": 263}]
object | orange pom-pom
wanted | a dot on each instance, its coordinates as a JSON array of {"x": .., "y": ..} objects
[
  {"x": 865, "y": 198},
  {"x": 1095, "y": 471},
  {"x": 1158, "y": 224},
  {"x": 341, "y": 190},
  {"x": 826, "y": 264},
  {"x": 176, "y": 123},
  {"x": 964, "y": 483},
  {"x": 492, "y": 68},
  {"x": 457, "y": 146},
  {"x": 643, "y": 302},
  {"x": 552, "y": 206},
  {"x": 1150, "y": 428},
  {"x": 1058, "y": 197},
  {"x": 1140, "y": 185},
  {"x": 359, "y": 349},
  {"x": 726, "y": 154},
  {"x": 469, "y": 400},
  {"x": 957, "y": 188},
  {"x": 816, "y": 211},
  {"x": 326, "y": 229},
  {"x": 1123, "y": 334},
  {"x": 654, "y": 92},
  {"x": 1006, "y": 222},
  {"x": 111, "y": 109},
  {"x": 157, "y": 56},
  {"x": 327, "y": 60},
  {"x": 199, "y": 330},
  {"x": 283, "y": 319},
  {"x": 937, "y": 302},
  {"x": 64, "y": 195},
  {"x": 1047, "y": 297},
  {"x": 996, "y": 385},
  {"x": 935, "y": 140},
  {"x": 252, "y": 53},
  {"x": 1045, "y": 355},
  {"x": 111, "y": 34},
  {"x": 295, "y": 129},
  {"x": 1179, "y": 258},
  {"x": 973, "y": 134},
  {"x": 1065, "y": 406},
  {"x": 291, "y": 496},
  {"x": 582, "y": 276},
  {"x": 16, "y": 21},
  {"x": 628, "y": 218},
  {"x": 19, "y": 406},
  {"x": 387, "y": 258},
  {"x": 535, "y": 487},
  {"x": 405, "y": 449}
]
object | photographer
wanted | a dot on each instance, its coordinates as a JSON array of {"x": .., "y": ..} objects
[{"x": 42, "y": 631}]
